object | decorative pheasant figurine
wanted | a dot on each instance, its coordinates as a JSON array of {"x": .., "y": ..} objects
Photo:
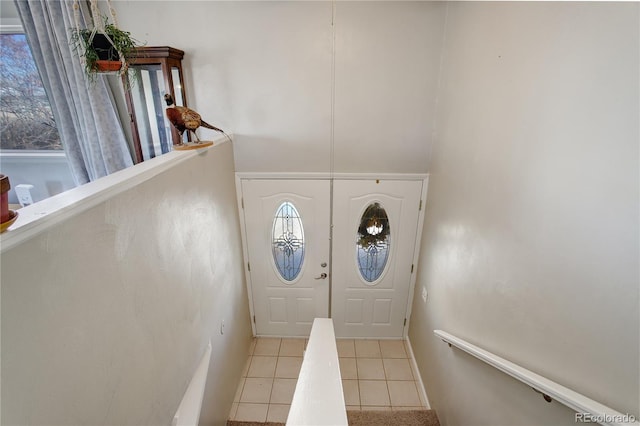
[{"x": 184, "y": 118}]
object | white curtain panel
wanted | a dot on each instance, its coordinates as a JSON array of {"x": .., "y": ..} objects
[{"x": 84, "y": 111}]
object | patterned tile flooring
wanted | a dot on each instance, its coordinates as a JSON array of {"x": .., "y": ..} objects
[{"x": 376, "y": 375}]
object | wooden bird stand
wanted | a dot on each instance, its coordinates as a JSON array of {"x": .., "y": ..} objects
[{"x": 192, "y": 145}]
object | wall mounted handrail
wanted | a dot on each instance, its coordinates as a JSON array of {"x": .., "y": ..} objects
[{"x": 550, "y": 390}]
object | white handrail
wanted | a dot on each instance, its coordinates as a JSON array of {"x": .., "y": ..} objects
[
  {"x": 589, "y": 409},
  {"x": 188, "y": 413},
  {"x": 318, "y": 398}
]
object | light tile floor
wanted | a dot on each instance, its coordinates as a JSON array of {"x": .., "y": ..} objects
[{"x": 376, "y": 375}]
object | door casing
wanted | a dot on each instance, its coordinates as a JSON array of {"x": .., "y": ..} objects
[{"x": 424, "y": 177}]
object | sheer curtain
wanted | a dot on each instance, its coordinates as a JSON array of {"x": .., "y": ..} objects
[{"x": 84, "y": 111}]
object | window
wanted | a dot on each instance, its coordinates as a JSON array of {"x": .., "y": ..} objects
[
  {"x": 30, "y": 147},
  {"x": 372, "y": 244},
  {"x": 287, "y": 240},
  {"x": 26, "y": 119}
]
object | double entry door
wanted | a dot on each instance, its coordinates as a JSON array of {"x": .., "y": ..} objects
[{"x": 345, "y": 252}]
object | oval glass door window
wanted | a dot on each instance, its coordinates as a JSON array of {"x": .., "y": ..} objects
[
  {"x": 287, "y": 241},
  {"x": 373, "y": 242}
]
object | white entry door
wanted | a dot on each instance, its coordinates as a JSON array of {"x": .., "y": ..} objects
[
  {"x": 288, "y": 240},
  {"x": 287, "y": 224},
  {"x": 374, "y": 235}
]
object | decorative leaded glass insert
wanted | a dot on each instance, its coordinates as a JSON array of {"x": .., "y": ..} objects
[
  {"x": 287, "y": 241},
  {"x": 372, "y": 247}
]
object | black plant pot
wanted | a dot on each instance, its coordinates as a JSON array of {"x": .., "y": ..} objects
[{"x": 104, "y": 49}]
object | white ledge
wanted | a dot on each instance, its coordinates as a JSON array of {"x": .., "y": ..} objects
[
  {"x": 318, "y": 398},
  {"x": 188, "y": 413},
  {"x": 572, "y": 399},
  {"x": 43, "y": 215}
]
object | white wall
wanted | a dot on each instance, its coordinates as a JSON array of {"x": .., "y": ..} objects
[
  {"x": 265, "y": 71},
  {"x": 106, "y": 314},
  {"x": 387, "y": 59},
  {"x": 530, "y": 245}
]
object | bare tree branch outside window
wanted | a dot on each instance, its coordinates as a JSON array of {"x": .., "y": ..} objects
[{"x": 26, "y": 119}]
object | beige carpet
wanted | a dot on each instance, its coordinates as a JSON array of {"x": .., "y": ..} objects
[
  {"x": 238, "y": 423},
  {"x": 393, "y": 418},
  {"x": 373, "y": 418}
]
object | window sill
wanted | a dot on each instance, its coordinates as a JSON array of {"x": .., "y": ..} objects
[{"x": 32, "y": 155}]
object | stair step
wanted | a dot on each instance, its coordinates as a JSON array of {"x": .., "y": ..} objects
[
  {"x": 393, "y": 418},
  {"x": 372, "y": 418}
]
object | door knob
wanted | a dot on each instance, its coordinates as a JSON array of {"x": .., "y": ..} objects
[{"x": 322, "y": 276}]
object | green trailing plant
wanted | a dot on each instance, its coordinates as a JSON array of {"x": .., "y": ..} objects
[{"x": 92, "y": 46}]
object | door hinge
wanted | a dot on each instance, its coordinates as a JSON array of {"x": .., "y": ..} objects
[
  {"x": 248, "y": 266},
  {"x": 254, "y": 319},
  {"x": 412, "y": 268},
  {"x": 242, "y": 202},
  {"x": 405, "y": 322},
  {"x": 420, "y": 208}
]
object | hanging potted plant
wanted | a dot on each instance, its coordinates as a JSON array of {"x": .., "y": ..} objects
[{"x": 103, "y": 47}]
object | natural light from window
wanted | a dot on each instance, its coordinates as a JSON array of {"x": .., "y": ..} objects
[
  {"x": 31, "y": 152},
  {"x": 26, "y": 119}
]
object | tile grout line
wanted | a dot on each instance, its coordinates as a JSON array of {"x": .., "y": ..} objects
[
  {"x": 243, "y": 380},
  {"x": 358, "y": 378},
  {"x": 273, "y": 381},
  {"x": 386, "y": 379}
]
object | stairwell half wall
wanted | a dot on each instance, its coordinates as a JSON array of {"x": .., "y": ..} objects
[{"x": 107, "y": 311}]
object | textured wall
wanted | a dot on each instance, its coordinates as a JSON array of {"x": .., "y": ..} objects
[
  {"x": 530, "y": 245},
  {"x": 264, "y": 71},
  {"x": 106, "y": 315}
]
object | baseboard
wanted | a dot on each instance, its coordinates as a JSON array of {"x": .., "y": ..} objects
[{"x": 414, "y": 366}]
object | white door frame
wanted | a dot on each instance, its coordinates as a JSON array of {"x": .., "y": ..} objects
[{"x": 424, "y": 177}]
